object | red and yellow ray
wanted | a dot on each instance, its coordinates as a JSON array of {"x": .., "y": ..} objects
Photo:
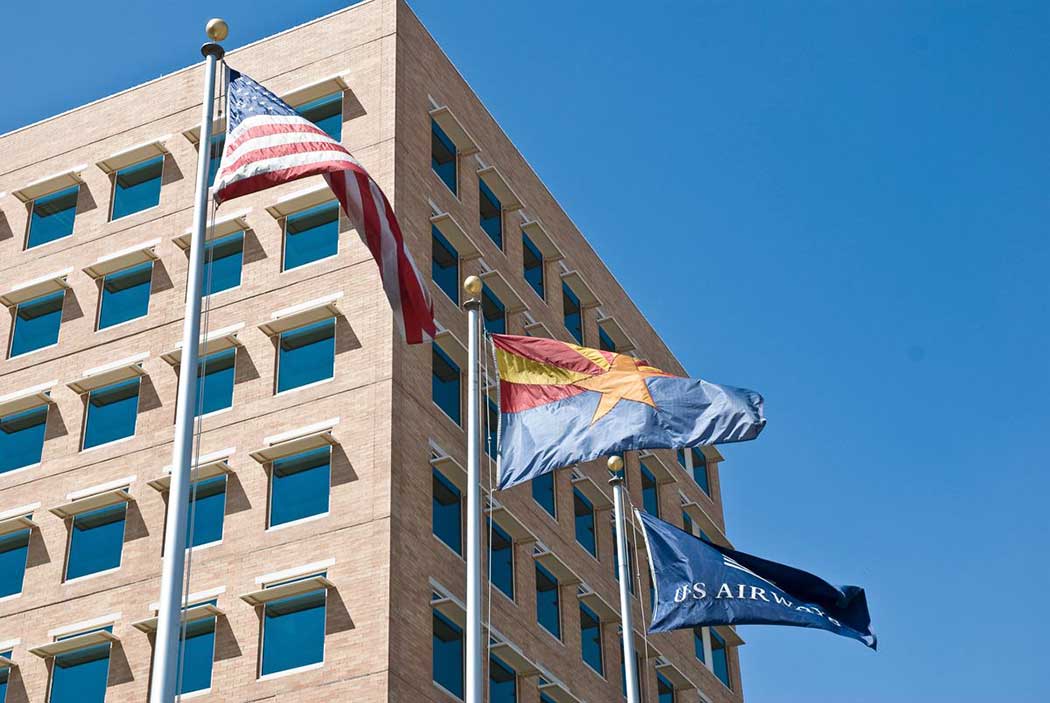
[{"x": 536, "y": 371}]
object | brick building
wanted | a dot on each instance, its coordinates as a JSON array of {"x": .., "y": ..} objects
[{"x": 329, "y": 509}]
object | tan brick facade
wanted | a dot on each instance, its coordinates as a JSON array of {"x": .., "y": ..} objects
[{"x": 378, "y": 529}]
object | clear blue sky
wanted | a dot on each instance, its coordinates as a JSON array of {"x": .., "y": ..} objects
[{"x": 847, "y": 204}]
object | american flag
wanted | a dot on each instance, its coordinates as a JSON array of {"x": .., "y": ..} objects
[{"x": 268, "y": 143}]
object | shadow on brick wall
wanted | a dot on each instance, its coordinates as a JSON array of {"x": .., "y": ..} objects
[
  {"x": 16, "y": 688},
  {"x": 5, "y": 233},
  {"x": 56, "y": 426},
  {"x": 134, "y": 526},
  {"x": 342, "y": 469},
  {"x": 236, "y": 499},
  {"x": 71, "y": 309},
  {"x": 119, "y": 667},
  {"x": 226, "y": 646},
  {"x": 38, "y": 554},
  {"x": 338, "y": 617}
]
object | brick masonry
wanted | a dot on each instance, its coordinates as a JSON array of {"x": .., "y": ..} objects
[{"x": 378, "y": 643}]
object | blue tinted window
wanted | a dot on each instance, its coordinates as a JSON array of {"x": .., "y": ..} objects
[
  {"x": 720, "y": 658},
  {"x": 52, "y": 217},
  {"x": 503, "y": 682},
  {"x": 650, "y": 492},
  {"x": 491, "y": 213},
  {"x": 616, "y": 562},
  {"x": 293, "y": 632},
  {"x": 216, "y": 144},
  {"x": 687, "y": 522},
  {"x": 307, "y": 355},
  {"x": 14, "y": 549},
  {"x": 300, "y": 486},
  {"x": 22, "y": 438},
  {"x": 573, "y": 313},
  {"x": 137, "y": 187},
  {"x": 700, "y": 469},
  {"x": 445, "y": 383},
  {"x": 96, "y": 541},
  {"x": 223, "y": 258},
  {"x": 80, "y": 676},
  {"x": 448, "y": 655},
  {"x": 502, "y": 560},
  {"x": 532, "y": 264},
  {"x": 443, "y": 156},
  {"x": 37, "y": 322},
  {"x": 326, "y": 113},
  {"x": 543, "y": 493},
  {"x": 693, "y": 460},
  {"x": 198, "y": 652},
  {"x": 311, "y": 235},
  {"x": 494, "y": 312},
  {"x": 5, "y": 673},
  {"x": 125, "y": 295},
  {"x": 215, "y": 381},
  {"x": 605, "y": 342},
  {"x": 492, "y": 428},
  {"x": 208, "y": 506},
  {"x": 111, "y": 413},
  {"x": 591, "y": 639},
  {"x": 544, "y": 698},
  {"x": 583, "y": 519},
  {"x": 447, "y": 517},
  {"x": 548, "y": 613},
  {"x": 444, "y": 264},
  {"x": 664, "y": 690},
  {"x": 698, "y": 644}
]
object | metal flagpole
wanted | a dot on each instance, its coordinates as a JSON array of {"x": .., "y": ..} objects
[
  {"x": 475, "y": 693},
  {"x": 166, "y": 647},
  {"x": 630, "y": 663}
]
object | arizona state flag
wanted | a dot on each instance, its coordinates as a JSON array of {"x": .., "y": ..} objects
[{"x": 561, "y": 404}]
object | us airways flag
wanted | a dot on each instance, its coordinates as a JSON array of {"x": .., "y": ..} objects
[
  {"x": 268, "y": 143},
  {"x": 561, "y": 404},
  {"x": 698, "y": 583}
]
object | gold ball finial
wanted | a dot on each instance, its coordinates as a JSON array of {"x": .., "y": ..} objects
[
  {"x": 473, "y": 286},
  {"x": 217, "y": 29},
  {"x": 615, "y": 464}
]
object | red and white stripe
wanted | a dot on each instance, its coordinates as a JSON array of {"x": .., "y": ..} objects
[{"x": 268, "y": 150}]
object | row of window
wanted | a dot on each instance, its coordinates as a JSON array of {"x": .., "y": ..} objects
[
  {"x": 445, "y": 259},
  {"x": 305, "y": 356},
  {"x": 137, "y": 186},
  {"x": 292, "y": 637},
  {"x": 124, "y": 294},
  {"x": 299, "y": 489},
  {"x": 448, "y": 526},
  {"x": 448, "y": 659}
]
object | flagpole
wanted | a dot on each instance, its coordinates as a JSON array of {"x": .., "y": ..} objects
[
  {"x": 166, "y": 646},
  {"x": 474, "y": 690},
  {"x": 630, "y": 662}
]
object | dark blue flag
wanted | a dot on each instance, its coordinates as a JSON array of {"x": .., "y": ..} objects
[{"x": 698, "y": 583}]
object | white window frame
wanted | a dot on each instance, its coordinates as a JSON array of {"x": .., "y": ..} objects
[
  {"x": 262, "y": 630},
  {"x": 270, "y": 527},
  {"x": 312, "y": 384}
]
